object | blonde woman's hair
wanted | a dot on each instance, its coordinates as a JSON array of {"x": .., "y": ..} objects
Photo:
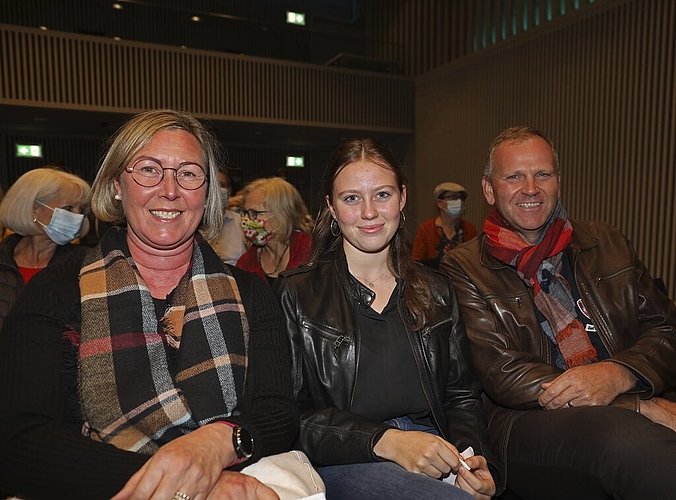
[
  {"x": 283, "y": 200},
  {"x": 40, "y": 185},
  {"x": 136, "y": 134}
]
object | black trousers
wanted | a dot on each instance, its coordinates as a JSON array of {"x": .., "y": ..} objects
[{"x": 591, "y": 453}]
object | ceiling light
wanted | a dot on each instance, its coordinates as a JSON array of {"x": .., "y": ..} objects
[
  {"x": 117, "y": 6},
  {"x": 195, "y": 18}
]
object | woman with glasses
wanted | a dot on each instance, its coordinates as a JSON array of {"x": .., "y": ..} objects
[
  {"x": 277, "y": 225},
  {"x": 149, "y": 369}
]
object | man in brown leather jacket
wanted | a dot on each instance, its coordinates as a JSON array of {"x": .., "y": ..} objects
[{"x": 574, "y": 343}]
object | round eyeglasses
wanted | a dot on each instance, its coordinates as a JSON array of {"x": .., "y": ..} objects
[
  {"x": 253, "y": 214},
  {"x": 149, "y": 173}
]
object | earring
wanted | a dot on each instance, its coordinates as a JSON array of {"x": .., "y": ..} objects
[
  {"x": 402, "y": 219},
  {"x": 117, "y": 197},
  {"x": 335, "y": 228}
]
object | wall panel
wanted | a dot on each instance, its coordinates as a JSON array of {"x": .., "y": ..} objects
[{"x": 134, "y": 77}]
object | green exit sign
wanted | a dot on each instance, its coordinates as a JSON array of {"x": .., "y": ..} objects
[
  {"x": 295, "y": 18},
  {"x": 295, "y": 161},
  {"x": 29, "y": 150}
]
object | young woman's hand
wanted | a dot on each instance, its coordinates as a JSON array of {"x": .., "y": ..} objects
[
  {"x": 420, "y": 452},
  {"x": 478, "y": 482}
]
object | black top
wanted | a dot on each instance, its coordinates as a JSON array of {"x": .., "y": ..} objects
[{"x": 388, "y": 384}]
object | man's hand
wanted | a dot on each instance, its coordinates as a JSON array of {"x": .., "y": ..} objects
[
  {"x": 596, "y": 384},
  {"x": 660, "y": 410}
]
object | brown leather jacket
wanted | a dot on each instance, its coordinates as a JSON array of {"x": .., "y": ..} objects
[{"x": 511, "y": 353}]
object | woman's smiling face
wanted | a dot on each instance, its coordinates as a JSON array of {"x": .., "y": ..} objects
[
  {"x": 367, "y": 204},
  {"x": 165, "y": 216}
]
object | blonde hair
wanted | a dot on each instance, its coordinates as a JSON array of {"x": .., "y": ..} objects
[
  {"x": 39, "y": 185},
  {"x": 131, "y": 138},
  {"x": 283, "y": 200}
]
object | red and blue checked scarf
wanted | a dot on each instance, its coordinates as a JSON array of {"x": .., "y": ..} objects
[
  {"x": 135, "y": 393},
  {"x": 539, "y": 266}
]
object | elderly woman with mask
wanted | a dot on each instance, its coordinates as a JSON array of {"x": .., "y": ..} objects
[
  {"x": 45, "y": 210},
  {"x": 277, "y": 224},
  {"x": 149, "y": 369}
]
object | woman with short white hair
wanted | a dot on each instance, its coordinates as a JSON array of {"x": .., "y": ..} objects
[{"x": 44, "y": 209}]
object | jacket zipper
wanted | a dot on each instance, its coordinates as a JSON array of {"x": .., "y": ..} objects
[
  {"x": 337, "y": 338},
  {"x": 417, "y": 358},
  {"x": 584, "y": 295}
]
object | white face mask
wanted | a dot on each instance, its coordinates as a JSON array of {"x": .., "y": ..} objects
[
  {"x": 455, "y": 208},
  {"x": 64, "y": 226}
]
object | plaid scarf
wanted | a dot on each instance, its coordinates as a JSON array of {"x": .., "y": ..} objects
[
  {"x": 539, "y": 266},
  {"x": 136, "y": 393}
]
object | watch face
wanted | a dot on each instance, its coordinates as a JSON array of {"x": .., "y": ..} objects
[{"x": 245, "y": 442}]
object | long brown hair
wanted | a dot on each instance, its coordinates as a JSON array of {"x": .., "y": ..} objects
[{"x": 418, "y": 295}]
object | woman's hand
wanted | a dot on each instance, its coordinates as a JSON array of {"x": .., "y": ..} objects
[
  {"x": 478, "y": 482},
  {"x": 420, "y": 452},
  {"x": 192, "y": 464},
  {"x": 237, "y": 486}
]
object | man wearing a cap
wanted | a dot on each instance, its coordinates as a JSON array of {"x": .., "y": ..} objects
[
  {"x": 571, "y": 338},
  {"x": 438, "y": 235}
]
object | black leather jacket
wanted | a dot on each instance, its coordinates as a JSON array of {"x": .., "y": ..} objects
[
  {"x": 320, "y": 302},
  {"x": 512, "y": 355}
]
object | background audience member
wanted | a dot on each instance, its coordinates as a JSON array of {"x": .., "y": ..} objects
[
  {"x": 381, "y": 369},
  {"x": 276, "y": 223},
  {"x": 149, "y": 363},
  {"x": 573, "y": 342},
  {"x": 229, "y": 242},
  {"x": 438, "y": 235},
  {"x": 45, "y": 210},
  {"x": 235, "y": 203}
]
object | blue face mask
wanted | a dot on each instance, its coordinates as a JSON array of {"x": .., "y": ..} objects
[
  {"x": 455, "y": 208},
  {"x": 64, "y": 226}
]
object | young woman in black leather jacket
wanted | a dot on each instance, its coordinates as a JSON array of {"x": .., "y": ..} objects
[{"x": 387, "y": 394}]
